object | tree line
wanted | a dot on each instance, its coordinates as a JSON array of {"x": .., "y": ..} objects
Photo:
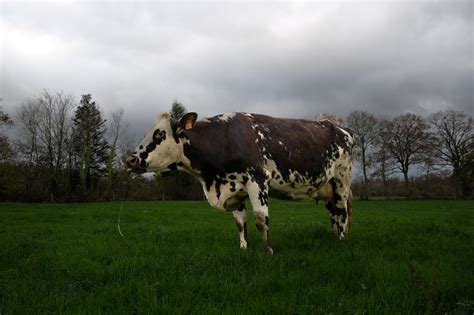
[
  {"x": 69, "y": 152},
  {"x": 426, "y": 152}
]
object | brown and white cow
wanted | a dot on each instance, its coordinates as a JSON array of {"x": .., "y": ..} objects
[{"x": 240, "y": 155}]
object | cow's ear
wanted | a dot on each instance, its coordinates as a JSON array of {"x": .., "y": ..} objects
[
  {"x": 188, "y": 120},
  {"x": 165, "y": 115}
]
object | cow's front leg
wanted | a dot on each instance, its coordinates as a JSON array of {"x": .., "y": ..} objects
[
  {"x": 258, "y": 195},
  {"x": 240, "y": 216}
]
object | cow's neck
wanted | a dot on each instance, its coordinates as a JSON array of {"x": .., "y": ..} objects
[{"x": 184, "y": 163}]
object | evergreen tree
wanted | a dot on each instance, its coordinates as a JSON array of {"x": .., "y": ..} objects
[
  {"x": 6, "y": 150},
  {"x": 5, "y": 118},
  {"x": 90, "y": 143},
  {"x": 177, "y": 110}
]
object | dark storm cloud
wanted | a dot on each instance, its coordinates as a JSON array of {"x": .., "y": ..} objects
[{"x": 285, "y": 59}]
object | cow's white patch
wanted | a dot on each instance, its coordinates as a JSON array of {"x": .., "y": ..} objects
[
  {"x": 241, "y": 219},
  {"x": 248, "y": 115},
  {"x": 296, "y": 186},
  {"x": 300, "y": 186},
  {"x": 345, "y": 132},
  {"x": 260, "y": 135},
  {"x": 230, "y": 191},
  {"x": 226, "y": 116},
  {"x": 166, "y": 152}
]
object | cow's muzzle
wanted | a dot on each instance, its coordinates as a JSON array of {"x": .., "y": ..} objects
[{"x": 133, "y": 162}]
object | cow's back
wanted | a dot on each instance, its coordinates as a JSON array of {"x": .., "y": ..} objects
[{"x": 299, "y": 145}]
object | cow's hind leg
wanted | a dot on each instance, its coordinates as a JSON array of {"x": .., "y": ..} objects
[
  {"x": 340, "y": 207},
  {"x": 258, "y": 195},
  {"x": 240, "y": 216}
]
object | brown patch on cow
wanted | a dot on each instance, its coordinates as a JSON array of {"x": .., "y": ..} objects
[
  {"x": 327, "y": 192},
  {"x": 235, "y": 202}
]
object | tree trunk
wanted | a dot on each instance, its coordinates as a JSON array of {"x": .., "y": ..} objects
[
  {"x": 110, "y": 164},
  {"x": 384, "y": 182},
  {"x": 85, "y": 163},
  {"x": 405, "y": 176},
  {"x": 365, "y": 195}
]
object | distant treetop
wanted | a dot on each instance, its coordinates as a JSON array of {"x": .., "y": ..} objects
[{"x": 177, "y": 110}]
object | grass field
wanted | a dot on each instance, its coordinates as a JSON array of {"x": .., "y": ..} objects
[{"x": 184, "y": 257}]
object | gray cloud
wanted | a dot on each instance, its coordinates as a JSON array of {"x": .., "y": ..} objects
[{"x": 285, "y": 59}]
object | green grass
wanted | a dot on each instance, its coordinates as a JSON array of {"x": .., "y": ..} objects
[{"x": 184, "y": 257}]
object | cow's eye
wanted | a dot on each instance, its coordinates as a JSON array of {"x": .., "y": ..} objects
[
  {"x": 156, "y": 134},
  {"x": 159, "y": 135}
]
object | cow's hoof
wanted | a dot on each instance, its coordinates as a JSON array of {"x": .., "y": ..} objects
[
  {"x": 243, "y": 246},
  {"x": 270, "y": 250},
  {"x": 341, "y": 236}
]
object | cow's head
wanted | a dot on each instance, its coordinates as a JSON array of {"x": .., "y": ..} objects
[{"x": 162, "y": 145}]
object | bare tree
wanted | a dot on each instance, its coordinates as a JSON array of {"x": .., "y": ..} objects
[
  {"x": 29, "y": 120},
  {"x": 117, "y": 128},
  {"x": 408, "y": 142},
  {"x": 126, "y": 144},
  {"x": 45, "y": 125},
  {"x": 28, "y": 143},
  {"x": 54, "y": 123},
  {"x": 53, "y": 128},
  {"x": 331, "y": 117},
  {"x": 454, "y": 133},
  {"x": 382, "y": 159},
  {"x": 62, "y": 124},
  {"x": 364, "y": 126}
]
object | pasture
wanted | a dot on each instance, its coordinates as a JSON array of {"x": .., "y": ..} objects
[{"x": 184, "y": 257}]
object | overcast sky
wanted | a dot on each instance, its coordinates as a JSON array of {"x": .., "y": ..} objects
[{"x": 285, "y": 59}]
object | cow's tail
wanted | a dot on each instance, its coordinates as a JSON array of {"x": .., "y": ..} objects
[{"x": 351, "y": 140}]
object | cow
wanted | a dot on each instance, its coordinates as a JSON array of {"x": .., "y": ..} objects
[{"x": 236, "y": 156}]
